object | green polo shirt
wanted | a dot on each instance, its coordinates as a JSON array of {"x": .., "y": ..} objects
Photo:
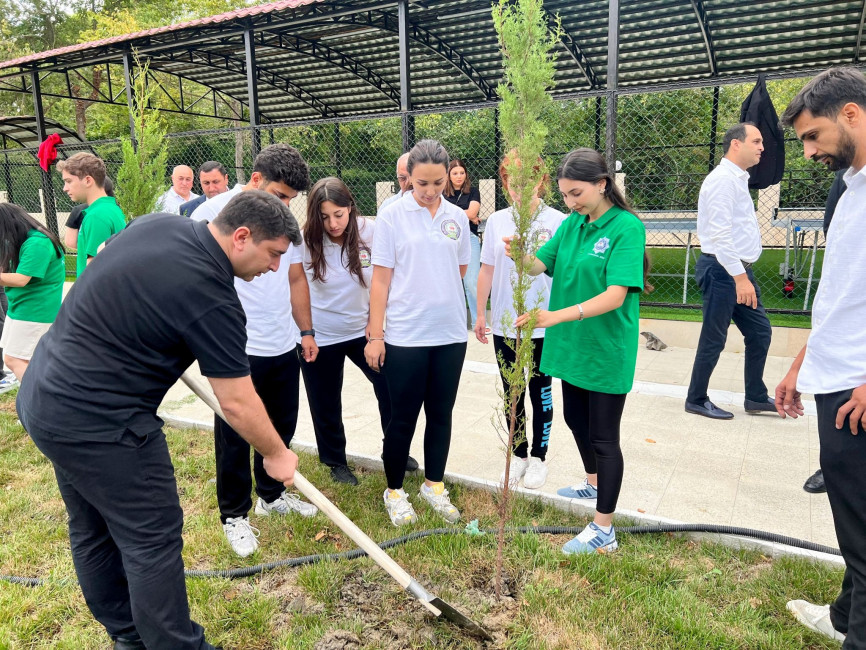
[
  {"x": 102, "y": 219},
  {"x": 585, "y": 258},
  {"x": 38, "y": 301}
]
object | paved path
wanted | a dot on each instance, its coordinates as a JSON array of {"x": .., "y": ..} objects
[{"x": 748, "y": 471}]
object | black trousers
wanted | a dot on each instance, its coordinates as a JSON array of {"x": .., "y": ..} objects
[
  {"x": 843, "y": 459},
  {"x": 719, "y": 308},
  {"x": 323, "y": 381},
  {"x": 540, "y": 394},
  {"x": 277, "y": 381},
  {"x": 125, "y": 525},
  {"x": 426, "y": 376},
  {"x": 594, "y": 419}
]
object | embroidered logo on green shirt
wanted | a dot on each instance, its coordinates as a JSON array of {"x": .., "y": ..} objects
[{"x": 600, "y": 247}]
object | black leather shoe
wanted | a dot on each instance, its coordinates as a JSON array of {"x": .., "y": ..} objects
[
  {"x": 709, "y": 410},
  {"x": 342, "y": 474},
  {"x": 128, "y": 644},
  {"x": 411, "y": 463},
  {"x": 760, "y": 407},
  {"x": 815, "y": 483}
]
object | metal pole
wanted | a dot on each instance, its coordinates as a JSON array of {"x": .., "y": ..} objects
[
  {"x": 338, "y": 151},
  {"x": 714, "y": 125},
  {"x": 130, "y": 96},
  {"x": 7, "y": 176},
  {"x": 252, "y": 90},
  {"x": 598, "y": 123},
  {"x": 47, "y": 184},
  {"x": 612, "y": 83},
  {"x": 408, "y": 130}
]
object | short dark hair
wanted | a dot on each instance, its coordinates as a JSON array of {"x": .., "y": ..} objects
[
  {"x": 211, "y": 165},
  {"x": 826, "y": 94},
  {"x": 282, "y": 163},
  {"x": 736, "y": 132},
  {"x": 108, "y": 186},
  {"x": 264, "y": 214},
  {"x": 427, "y": 152}
]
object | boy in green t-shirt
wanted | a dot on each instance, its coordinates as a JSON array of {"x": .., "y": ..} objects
[
  {"x": 84, "y": 182},
  {"x": 33, "y": 272}
]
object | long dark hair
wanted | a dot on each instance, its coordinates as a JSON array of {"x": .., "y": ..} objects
[
  {"x": 467, "y": 184},
  {"x": 589, "y": 165},
  {"x": 15, "y": 223},
  {"x": 334, "y": 190}
]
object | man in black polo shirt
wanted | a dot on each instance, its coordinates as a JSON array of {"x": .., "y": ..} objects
[{"x": 159, "y": 296}]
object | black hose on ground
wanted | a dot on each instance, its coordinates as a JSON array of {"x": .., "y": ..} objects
[{"x": 245, "y": 572}]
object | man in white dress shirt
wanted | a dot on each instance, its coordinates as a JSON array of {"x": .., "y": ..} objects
[
  {"x": 829, "y": 116},
  {"x": 180, "y": 191},
  {"x": 402, "y": 180},
  {"x": 730, "y": 244}
]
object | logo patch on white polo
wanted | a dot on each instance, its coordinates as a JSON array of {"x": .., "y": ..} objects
[{"x": 451, "y": 229}]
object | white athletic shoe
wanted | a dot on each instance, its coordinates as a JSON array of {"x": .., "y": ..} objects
[
  {"x": 399, "y": 509},
  {"x": 241, "y": 535},
  {"x": 437, "y": 496},
  {"x": 518, "y": 469},
  {"x": 284, "y": 504},
  {"x": 536, "y": 474},
  {"x": 815, "y": 617}
]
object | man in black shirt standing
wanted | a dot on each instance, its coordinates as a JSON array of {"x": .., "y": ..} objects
[{"x": 158, "y": 297}]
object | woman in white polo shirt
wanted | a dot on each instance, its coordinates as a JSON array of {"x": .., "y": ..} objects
[
  {"x": 420, "y": 254},
  {"x": 496, "y": 274},
  {"x": 336, "y": 255}
]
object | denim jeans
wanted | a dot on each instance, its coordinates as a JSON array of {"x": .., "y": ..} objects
[{"x": 470, "y": 281}]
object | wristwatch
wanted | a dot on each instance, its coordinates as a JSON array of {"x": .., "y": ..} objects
[{"x": 308, "y": 333}]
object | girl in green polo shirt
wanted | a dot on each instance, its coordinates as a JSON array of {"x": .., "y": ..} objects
[
  {"x": 33, "y": 272},
  {"x": 598, "y": 263}
]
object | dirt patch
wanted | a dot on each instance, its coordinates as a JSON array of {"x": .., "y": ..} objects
[{"x": 338, "y": 640}]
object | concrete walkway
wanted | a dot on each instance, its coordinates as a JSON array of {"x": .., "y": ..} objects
[{"x": 747, "y": 471}]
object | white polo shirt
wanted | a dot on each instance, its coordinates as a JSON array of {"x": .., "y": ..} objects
[
  {"x": 340, "y": 304},
  {"x": 426, "y": 304},
  {"x": 170, "y": 201},
  {"x": 727, "y": 226},
  {"x": 501, "y": 224},
  {"x": 209, "y": 210},
  {"x": 836, "y": 351}
]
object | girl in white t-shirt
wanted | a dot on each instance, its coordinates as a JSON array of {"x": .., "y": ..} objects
[
  {"x": 496, "y": 274},
  {"x": 420, "y": 254},
  {"x": 336, "y": 256}
]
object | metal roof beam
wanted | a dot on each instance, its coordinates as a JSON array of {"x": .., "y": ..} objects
[
  {"x": 388, "y": 22},
  {"x": 860, "y": 33},
  {"x": 318, "y": 50},
  {"x": 704, "y": 24},
  {"x": 573, "y": 48}
]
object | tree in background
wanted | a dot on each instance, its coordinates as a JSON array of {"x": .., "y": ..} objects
[
  {"x": 528, "y": 64},
  {"x": 141, "y": 177}
]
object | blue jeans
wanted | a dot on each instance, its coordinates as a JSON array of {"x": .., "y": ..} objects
[
  {"x": 719, "y": 308},
  {"x": 470, "y": 281}
]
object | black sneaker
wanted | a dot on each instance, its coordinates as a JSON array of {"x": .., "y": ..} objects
[
  {"x": 411, "y": 463},
  {"x": 342, "y": 474}
]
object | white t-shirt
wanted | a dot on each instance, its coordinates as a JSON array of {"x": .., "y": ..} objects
[
  {"x": 209, "y": 210},
  {"x": 501, "y": 224},
  {"x": 836, "y": 351},
  {"x": 426, "y": 304},
  {"x": 340, "y": 304}
]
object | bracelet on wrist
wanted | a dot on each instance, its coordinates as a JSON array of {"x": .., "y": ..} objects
[
  {"x": 580, "y": 309},
  {"x": 370, "y": 339}
]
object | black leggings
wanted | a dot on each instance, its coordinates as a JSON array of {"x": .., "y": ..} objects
[
  {"x": 323, "y": 381},
  {"x": 594, "y": 420},
  {"x": 416, "y": 376},
  {"x": 540, "y": 395}
]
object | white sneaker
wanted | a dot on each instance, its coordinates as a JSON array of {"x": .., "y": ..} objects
[
  {"x": 284, "y": 504},
  {"x": 518, "y": 469},
  {"x": 536, "y": 474},
  {"x": 241, "y": 535},
  {"x": 399, "y": 509},
  {"x": 7, "y": 383},
  {"x": 437, "y": 496},
  {"x": 815, "y": 617}
]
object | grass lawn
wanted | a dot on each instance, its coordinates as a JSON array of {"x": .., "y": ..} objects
[{"x": 656, "y": 592}]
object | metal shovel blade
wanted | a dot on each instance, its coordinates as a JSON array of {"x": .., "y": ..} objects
[{"x": 460, "y": 619}]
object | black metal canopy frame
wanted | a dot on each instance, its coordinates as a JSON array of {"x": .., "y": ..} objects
[{"x": 301, "y": 60}]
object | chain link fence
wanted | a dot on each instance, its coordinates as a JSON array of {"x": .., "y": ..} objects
[{"x": 667, "y": 142}]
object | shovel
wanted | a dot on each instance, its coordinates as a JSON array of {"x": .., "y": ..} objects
[{"x": 434, "y": 605}]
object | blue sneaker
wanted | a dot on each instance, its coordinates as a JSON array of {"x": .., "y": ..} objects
[
  {"x": 592, "y": 540},
  {"x": 582, "y": 490}
]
